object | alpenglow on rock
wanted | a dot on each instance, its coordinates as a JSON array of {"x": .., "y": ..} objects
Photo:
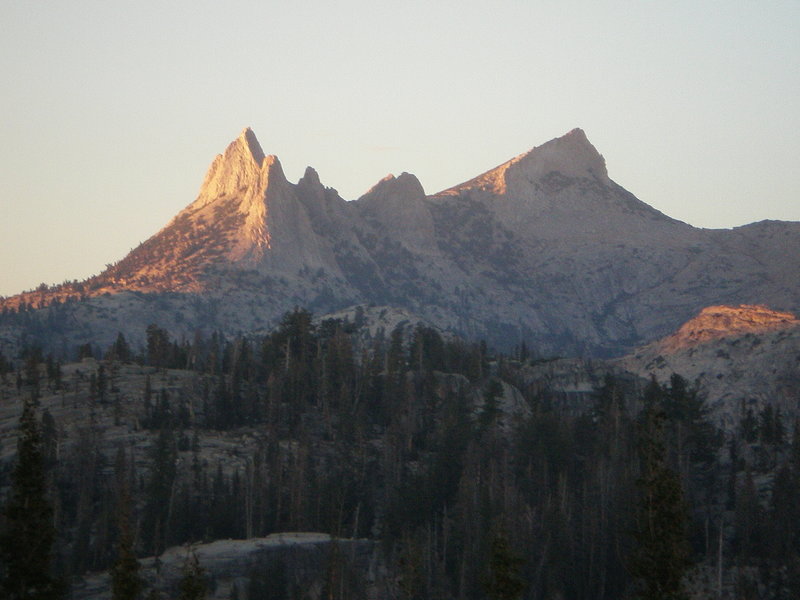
[
  {"x": 741, "y": 356},
  {"x": 544, "y": 248}
]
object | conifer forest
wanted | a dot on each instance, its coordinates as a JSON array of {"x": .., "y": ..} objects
[{"x": 436, "y": 468}]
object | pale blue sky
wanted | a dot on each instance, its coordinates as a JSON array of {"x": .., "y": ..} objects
[{"x": 112, "y": 111}]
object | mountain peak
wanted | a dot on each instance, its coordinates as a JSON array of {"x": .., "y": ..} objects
[
  {"x": 273, "y": 167},
  {"x": 559, "y": 259},
  {"x": 572, "y": 155},
  {"x": 247, "y": 139},
  {"x": 404, "y": 186},
  {"x": 310, "y": 178},
  {"x": 576, "y": 133},
  {"x": 239, "y": 167},
  {"x": 399, "y": 203}
]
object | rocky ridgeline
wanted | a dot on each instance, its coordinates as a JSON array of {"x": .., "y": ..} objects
[{"x": 545, "y": 249}]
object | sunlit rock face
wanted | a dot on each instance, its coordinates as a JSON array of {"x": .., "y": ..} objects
[
  {"x": 246, "y": 216},
  {"x": 545, "y": 249},
  {"x": 571, "y": 156},
  {"x": 742, "y": 357},
  {"x": 718, "y": 322}
]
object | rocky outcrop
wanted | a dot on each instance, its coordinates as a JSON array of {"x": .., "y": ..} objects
[
  {"x": 298, "y": 560},
  {"x": 739, "y": 356},
  {"x": 719, "y": 322},
  {"x": 398, "y": 206}
]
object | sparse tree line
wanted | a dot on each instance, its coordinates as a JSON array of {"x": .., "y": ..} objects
[{"x": 403, "y": 439}]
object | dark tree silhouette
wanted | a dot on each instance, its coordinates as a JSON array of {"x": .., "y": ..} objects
[
  {"x": 661, "y": 557},
  {"x": 126, "y": 584},
  {"x": 193, "y": 582},
  {"x": 27, "y": 540},
  {"x": 503, "y": 581}
]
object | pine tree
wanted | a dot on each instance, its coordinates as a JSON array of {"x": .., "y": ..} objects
[
  {"x": 158, "y": 346},
  {"x": 661, "y": 557},
  {"x": 126, "y": 584},
  {"x": 26, "y": 543},
  {"x": 159, "y": 492},
  {"x": 491, "y": 403},
  {"x": 268, "y": 581},
  {"x": 193, "y": 583},
  {"x": 503, "y": 581},
  {"x": 119, "y": 350}
]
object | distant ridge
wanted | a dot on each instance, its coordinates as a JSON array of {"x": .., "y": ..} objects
[{"x": 545, "y": 248}]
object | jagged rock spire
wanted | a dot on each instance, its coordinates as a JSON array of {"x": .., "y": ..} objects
[
  {"x": 247, "y": 137},
  {"x": 238, "y": 168}
]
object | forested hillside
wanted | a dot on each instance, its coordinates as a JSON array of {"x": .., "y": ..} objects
[{"x": 461, "y": 474}]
